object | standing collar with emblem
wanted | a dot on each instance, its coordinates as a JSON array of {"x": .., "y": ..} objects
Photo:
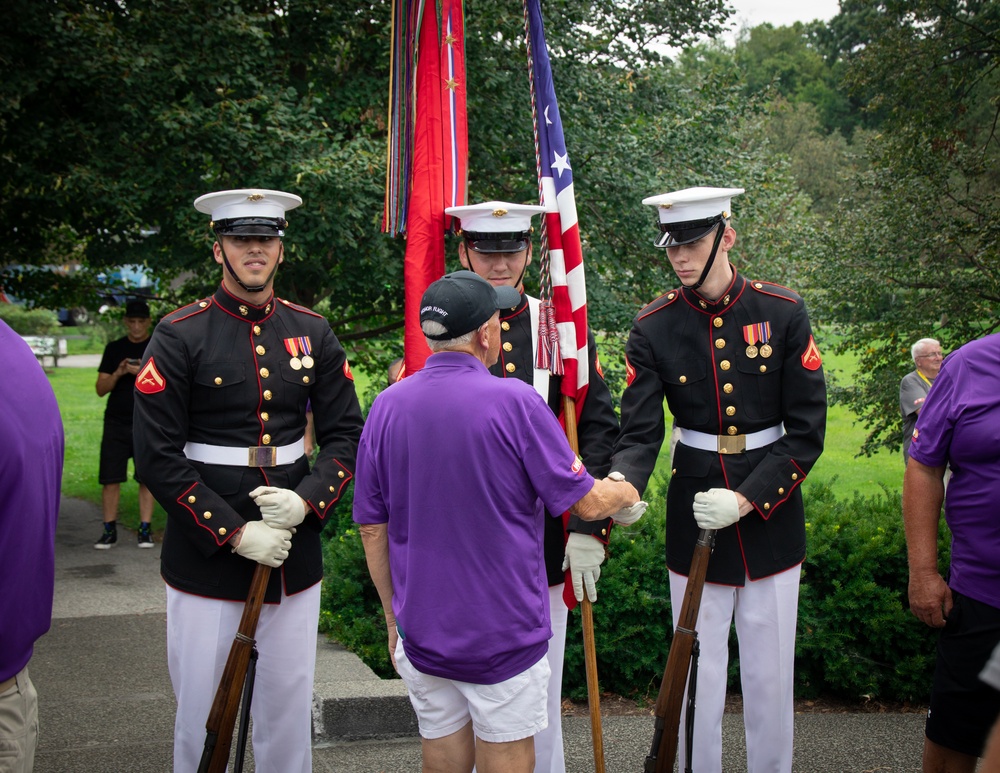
[
  {"x": 241, "y": 309},
  {"x": 725, "y": 301}
]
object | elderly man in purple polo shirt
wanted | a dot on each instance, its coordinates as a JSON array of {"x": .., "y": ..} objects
[
  {"x": 31, "y": 461},
  {"x": 958, "y": 427},
  {"x": 455, "y": 470}
]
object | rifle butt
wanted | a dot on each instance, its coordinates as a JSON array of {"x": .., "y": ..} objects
[
  {"x": 222, "y": 717},
  {"x": 669, "y": 701}
]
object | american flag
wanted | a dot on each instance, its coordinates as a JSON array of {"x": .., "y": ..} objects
[{"x": 569, "y": 287}]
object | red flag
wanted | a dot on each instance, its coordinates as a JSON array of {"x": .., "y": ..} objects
[
  {"x": 424, "y": 261},
  {"x": 427, "y": 166}
]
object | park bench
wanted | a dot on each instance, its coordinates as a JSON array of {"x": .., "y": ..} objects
[{"x": 47, "y": 346}]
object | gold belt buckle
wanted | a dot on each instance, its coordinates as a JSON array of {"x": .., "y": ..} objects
[
  {"x": 732, "y": 444},
  {"x": 262, "y": 456}
]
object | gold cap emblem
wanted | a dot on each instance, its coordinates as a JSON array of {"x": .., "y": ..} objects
[{"x": 499, "y": 212}]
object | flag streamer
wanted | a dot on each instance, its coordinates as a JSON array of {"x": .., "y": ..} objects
[{"x": 427, "y": 146}]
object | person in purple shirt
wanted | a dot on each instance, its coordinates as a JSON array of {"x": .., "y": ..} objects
[
  {"x": 455, "y": 470},
  {"x": 958, "y": 427},
  {"x": 31, "y": 461}
]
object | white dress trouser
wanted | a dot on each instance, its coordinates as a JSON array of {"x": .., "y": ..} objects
[
  {"x": 765, "y": 612},
  {"x": 200, "y": 632}
]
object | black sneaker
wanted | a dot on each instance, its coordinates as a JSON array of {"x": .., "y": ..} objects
[
  {"x": 145, "y": 536},
  {"x": 108, "y": 538}
]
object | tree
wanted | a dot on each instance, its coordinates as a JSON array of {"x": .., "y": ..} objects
[
  {"x": 918, "y": 255},
  {"x": 114, "y": 116}
]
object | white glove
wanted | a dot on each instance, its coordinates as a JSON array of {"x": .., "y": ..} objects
[
  {"x": 260, "y": 543},
  {"x": 281, "y": 508},
  {"x": 629, "y": 515},
  {"x": 716, "y": 508},
  {"x": 584, "y": 556}
]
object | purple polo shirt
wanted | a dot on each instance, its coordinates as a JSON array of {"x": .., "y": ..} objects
[
  {"x": 459, "y": 463},
  {"x": 960, "y": 426},
  {"x": 31, "y": 460}
]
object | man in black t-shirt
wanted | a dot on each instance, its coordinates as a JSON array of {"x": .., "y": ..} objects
[{"x": 116, "y": 378}]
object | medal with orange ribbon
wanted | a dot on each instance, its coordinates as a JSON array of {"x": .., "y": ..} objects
[{"x": 292, "y": 347}]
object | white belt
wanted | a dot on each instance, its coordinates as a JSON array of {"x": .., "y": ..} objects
[
  {"x": 245, "y": 456},
  {"x": 731, "y": 444}
]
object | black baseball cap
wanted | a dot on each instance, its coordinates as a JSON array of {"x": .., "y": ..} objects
[
  {"x": 462, "y": 301},
  {"x": 137, "y": 309}
]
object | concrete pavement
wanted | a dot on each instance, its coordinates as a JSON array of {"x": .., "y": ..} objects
[{"x": 106, "y": 705}]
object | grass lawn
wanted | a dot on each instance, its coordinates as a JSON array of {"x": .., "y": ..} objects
[
  {"x": 83, "y": 422},
  {"x": 83, "y": 411},
  {"x": 839, "y": 466}
]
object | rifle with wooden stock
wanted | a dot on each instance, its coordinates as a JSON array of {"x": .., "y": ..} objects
[
  {"x": 222, "y": 717},
  {"x": 671, "y": 696}
]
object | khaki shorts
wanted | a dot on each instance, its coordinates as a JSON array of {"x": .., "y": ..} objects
[
  {"x": 500, "y": 713},
  {"x": 18, "y": 725}
]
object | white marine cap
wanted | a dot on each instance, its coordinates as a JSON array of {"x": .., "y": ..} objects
[
  {"x": 689, "y": 214},
  {"x": 248, "y": 211},
  {"x": 496, "y": 226}
]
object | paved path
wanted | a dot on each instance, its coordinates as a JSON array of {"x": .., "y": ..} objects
[
  {"x": 80, "y": 361},
  {"x": 106, "y": 705}
]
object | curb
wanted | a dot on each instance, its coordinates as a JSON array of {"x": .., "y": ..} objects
[{"x": 352, "y": 703}]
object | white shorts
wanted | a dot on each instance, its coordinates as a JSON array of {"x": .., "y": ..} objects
[{"x": 502, "y": 712}]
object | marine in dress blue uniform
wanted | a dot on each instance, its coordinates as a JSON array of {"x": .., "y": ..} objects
[
  {"x": 219, "y": 423},
  {"x": 736, "y": 362},
  {"x": 497, "y": 245}
]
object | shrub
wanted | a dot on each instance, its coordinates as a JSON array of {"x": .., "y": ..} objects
[
  {"x": 29, "y": 322},
  {"x": 632, "y": 618},
  {"x": 856, "y": 637},
  {"x": 350, "y": 610}
]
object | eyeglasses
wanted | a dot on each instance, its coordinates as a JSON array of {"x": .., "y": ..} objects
[{"x": 930, "y": 355}]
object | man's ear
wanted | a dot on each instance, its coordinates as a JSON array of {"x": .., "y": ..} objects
[
  {"x": 463, "y": 256},
  {"x": 217, "y": 252},
  {"x": 483, "y": 334}
]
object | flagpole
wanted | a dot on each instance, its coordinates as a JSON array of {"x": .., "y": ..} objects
[
  {"x": 549, "y": 354},
  {"x": 587, "y": 619}
]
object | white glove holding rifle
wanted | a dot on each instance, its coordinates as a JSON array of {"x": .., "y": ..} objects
[
  {"x": 716, "y": 508},
  {"x": 260, "y": 543},
  {"x": 584, "y": 556},
  {"x": 281, "y": 508}
]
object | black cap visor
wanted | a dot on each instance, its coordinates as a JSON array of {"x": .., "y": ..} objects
[
  {"x": 250, "y": 226},
  {"x": 497, "y": 242},
  {"x": 676, "y": 234},
  {"x": 462, "y": 302}
]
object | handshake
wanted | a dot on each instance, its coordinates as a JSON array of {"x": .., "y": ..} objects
[
  {"x": 631, "y": 513},
  {"x": 269, "y": 540}
]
